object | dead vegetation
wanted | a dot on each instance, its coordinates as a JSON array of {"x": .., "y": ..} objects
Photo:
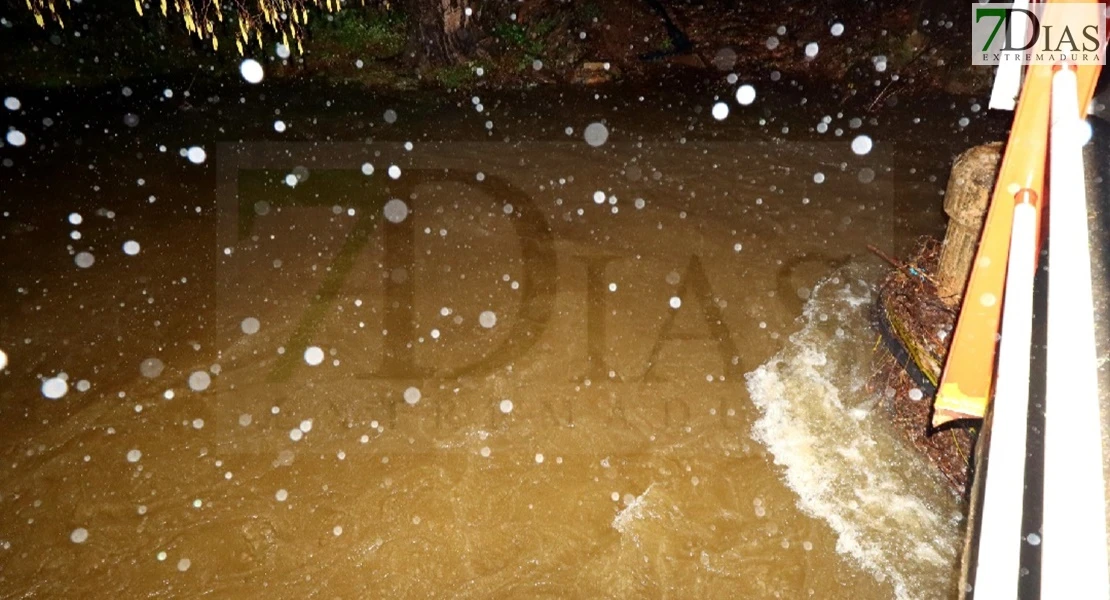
[{"x": 916, "y": 326}]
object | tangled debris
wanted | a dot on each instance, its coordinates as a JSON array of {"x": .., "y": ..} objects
[{"x": 915, "y": 324}]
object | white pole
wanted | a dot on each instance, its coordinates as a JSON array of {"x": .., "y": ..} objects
[
  {"x": 1007, "y": 80},
  {"x": 1074, "y": 557},
  {"x": 1000, "y": 535}
]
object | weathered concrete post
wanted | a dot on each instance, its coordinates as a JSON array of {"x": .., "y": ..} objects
[{"x": 965, "y": 201}]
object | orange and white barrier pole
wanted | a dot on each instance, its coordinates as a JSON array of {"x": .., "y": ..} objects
[
  {"x": 967, "y": 381},
  {"x": 969, "y": 374}
]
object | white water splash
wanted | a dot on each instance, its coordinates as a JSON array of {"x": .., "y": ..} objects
[
  {"x": 891, "y": 512},
  {"x": 633, "y": 512}
]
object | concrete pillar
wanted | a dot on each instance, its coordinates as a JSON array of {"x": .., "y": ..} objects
[{"x": 965, "y": 202}]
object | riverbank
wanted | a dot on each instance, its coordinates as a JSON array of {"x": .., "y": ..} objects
[{"x": 858, "y": 53}]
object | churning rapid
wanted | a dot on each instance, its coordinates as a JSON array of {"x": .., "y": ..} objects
[{"x": 891, "y": 512}]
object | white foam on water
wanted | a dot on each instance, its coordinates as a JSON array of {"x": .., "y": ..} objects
[
  {"x": 892, "y": 514},
  {"x": 632, "y": 512}
]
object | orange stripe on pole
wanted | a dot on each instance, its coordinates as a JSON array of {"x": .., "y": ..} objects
[
  {"x": 965, "y": 384},
  {"x": 968, "y": 376}
]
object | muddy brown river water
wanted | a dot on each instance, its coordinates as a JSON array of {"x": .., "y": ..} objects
[{"x": 456, "y": 349}]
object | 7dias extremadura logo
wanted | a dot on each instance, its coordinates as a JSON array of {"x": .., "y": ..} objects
[{"x": 1055, "y": 33}]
